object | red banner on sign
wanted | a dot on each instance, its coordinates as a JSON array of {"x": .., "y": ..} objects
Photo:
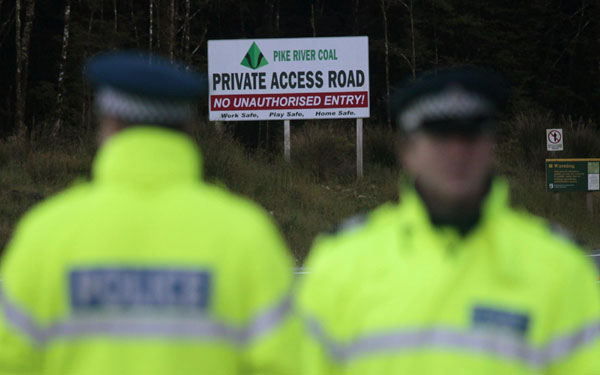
[{"x": 250, "y": 102}]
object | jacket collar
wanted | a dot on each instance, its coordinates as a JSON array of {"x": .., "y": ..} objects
[
  {"x": 496, "y": 200},
  {"x": 447, "y": 240},
  {"x": 147, "y": 157}
]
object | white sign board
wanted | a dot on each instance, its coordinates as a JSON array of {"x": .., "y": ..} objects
[
  {"x": 593, "y": 181},
  {"x": 288, "y": 79},
  {"x": 554, "y": 139}
]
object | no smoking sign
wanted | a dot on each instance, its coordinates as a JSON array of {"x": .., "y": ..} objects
[{"x": 554, "y": 139}]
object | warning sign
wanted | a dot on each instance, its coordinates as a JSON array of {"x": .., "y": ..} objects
[
  {"x": 283, "y": 79},
  {"x": 554, "y": 139},
  {"x": 572, "y": 175}
]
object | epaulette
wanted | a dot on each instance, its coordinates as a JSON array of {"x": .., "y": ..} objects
[
  {"x": 563, "y": 232},
  {"x": 595, "y": 255},
  {"x": 349, "y": 225}
]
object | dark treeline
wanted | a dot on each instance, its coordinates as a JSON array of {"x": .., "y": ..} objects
[{"x": 549, "y": 49}]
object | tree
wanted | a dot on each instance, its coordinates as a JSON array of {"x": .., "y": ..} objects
[
  {"x": 171, "y": 29},
  {"x": 150, "y": 24},
  {"x": 408, "y": 4},
  {"x": 6, "y": 24},
  {"x": 22, "y": 42},
  {"x": 60, "y": 85},
  {"x": 355, "y": 18},
  {"x": 115, "y": 13},
  {"x": 186, "y": 33},
  {"x": 383, "y": 4},
  {"x": 135, "y": 29},
  {"x": 548, "y": 49}
]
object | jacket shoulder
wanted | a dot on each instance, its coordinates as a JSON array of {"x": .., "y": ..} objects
[
  {"x": 544, "y": 245},
  {"x": 537, "y": 230},
  {"x": 38, "y": 229},
  {"x": 563, "y": 232},
  {"x": 235, "y": 207},
  {"x": 54, "y": 208},
  {"x": 354, "y": 239}
]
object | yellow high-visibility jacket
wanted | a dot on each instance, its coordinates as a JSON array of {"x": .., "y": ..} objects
[
  {"x": 402, "y": 296},
  {"x": 146, "y": 270}
]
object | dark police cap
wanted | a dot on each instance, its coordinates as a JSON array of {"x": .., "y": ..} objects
[
  {"x": 141, "y": 88},
  {"x": 449, "y": 101}
]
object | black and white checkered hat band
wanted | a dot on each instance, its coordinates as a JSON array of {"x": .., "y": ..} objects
[
  {"x": 137, "y": 109},
  {"x": 450, "y": 104}
]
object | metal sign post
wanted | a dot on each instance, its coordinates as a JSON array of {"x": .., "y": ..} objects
[
  {"x": 359, "y": 148},
  {"x": 589, "y": 203},
  {"x": 574, "y": 175},
  {"x": 286, "y": 140}
]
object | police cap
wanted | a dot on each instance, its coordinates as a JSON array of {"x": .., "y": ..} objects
[
  {"x": 137, "y": 87},
  {"x": 450, "y": 101}
]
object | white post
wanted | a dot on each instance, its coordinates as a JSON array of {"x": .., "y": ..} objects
[
  {"x": 556, "y": 195},
  {"x": 286, "y": 140},
  {"x": 589, "y": 203},
  {"x": 359, "y": 147}
]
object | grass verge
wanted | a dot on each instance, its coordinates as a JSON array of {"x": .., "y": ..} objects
[{"x": 318, "y": 188}]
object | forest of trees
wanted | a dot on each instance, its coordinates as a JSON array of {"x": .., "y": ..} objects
[{"x": 548, "y": 49}]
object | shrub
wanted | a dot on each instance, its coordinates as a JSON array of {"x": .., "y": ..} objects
[
  {"x": 325, "y": 150},
  {"x": 381, "y": 146},
  {"x": 581, "y": 139},
  {"x": 523, "y": 140}
]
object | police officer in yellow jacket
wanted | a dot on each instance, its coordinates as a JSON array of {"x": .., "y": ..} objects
[
  {"x": 451, "y": 280},
  {"x": 145, "y": 269}
]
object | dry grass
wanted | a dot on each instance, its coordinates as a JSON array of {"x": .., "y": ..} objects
[{"x": 318, "y": 188}]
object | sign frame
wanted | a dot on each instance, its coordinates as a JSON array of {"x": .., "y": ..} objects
[
  {"x": 347, "y": 89},
  {"x": 288, "y": 78},
  {"x": 569, "y": 175},
  {"x": 554, "y": 139}
]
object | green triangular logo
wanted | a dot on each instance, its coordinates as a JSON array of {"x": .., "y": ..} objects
[{"x": 254, "y": 58}]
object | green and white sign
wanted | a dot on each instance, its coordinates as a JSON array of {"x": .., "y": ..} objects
[
  {"x": 288, "y": 79},
  {"x": 572, "y": 175}
]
